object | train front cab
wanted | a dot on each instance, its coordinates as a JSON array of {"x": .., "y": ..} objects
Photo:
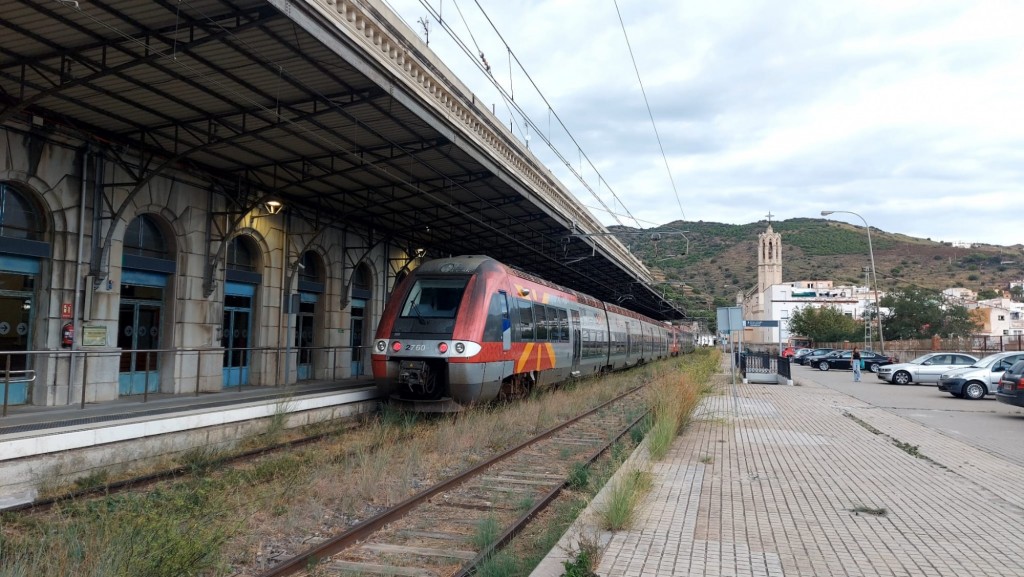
[{"x": 445, "y": 336}]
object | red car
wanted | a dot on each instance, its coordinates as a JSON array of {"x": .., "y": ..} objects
[{"x": 788, "y": 352}]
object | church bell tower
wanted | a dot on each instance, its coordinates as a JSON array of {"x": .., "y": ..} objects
[{"x": 769, "y": 258}]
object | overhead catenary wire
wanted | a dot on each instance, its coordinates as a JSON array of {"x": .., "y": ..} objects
[
  {"x": 528, "y": 120},
  {"x": 649, "y": 112},
  {"x": 579, "y": 148}
]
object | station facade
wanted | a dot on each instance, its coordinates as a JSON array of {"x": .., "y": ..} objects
[{"x": 117, "y": 280}]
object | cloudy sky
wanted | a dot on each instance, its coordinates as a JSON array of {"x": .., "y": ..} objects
[{"x": 908, "y": 113}]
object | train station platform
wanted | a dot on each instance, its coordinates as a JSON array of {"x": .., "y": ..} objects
[
  {"x": 772, "y": 480},
  {"x": 44, "y": 445}
]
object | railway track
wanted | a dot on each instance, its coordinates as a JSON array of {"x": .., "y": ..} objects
[{"x": 454, "y": 526}]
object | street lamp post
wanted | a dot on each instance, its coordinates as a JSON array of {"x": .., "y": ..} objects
[{"x": 874, "y": 277}]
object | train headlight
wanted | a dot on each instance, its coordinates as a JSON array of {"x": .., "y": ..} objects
[
  {"x": 381, "y": 345},
  {"x": 442, "y": 348},
  {"x": 396, "y": 346},
  {"x": 460, "y": 348}
]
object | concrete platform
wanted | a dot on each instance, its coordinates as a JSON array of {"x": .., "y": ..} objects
[
  {"x": 788, "y": 481},
  {"x": 41, "y": 446}
]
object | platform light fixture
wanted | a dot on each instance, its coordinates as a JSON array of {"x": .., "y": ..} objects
[{"x": 273, "y": 206}]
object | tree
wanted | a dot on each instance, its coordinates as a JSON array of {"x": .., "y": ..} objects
[
  {"x": 824, "y": 324},
  {"x": 919, "y": 313},
  {"x": 985, "y": 294},
  {"x": 1017, "y": 293}
]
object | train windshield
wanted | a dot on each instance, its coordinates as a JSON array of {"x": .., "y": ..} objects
[{"x": 437, "y": 298}]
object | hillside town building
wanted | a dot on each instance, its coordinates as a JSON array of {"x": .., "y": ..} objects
[{"x": 774, "y": 300}]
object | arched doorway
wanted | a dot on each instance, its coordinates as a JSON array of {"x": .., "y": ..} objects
[
  {"x": 147, "y": 265},
  {"x": 242, "y": 278},
  {"x": 311, "y": 288},
  {"x": 22, "y": 250},
  {"x": 361, "y": 294}
]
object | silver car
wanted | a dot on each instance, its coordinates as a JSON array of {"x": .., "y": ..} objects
[{"x": 925, "y": 368}]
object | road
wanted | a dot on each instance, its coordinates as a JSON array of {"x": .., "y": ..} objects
[{"x": 988, "y": 424}]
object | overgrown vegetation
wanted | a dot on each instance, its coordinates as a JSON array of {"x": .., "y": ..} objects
[
  {"x": 625, "y": 494},
  {"x": 675, "y": 396}
]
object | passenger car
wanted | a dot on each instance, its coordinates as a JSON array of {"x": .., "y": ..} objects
[
  {"x": 802, "y": 358},
  {"x": 981, "y": 378},
  {"x": 1011, "y": 385},
  {"x": 925, "y": 368},
  {"x": 843, "y": 360}
]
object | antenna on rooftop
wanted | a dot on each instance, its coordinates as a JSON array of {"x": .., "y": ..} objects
[{"x": 426, "y": 29}]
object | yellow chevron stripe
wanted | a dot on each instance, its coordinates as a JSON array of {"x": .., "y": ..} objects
[{"x": 523, "y": 358}]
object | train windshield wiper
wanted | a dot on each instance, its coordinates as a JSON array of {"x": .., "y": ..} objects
[{"x": 419, "y": 315}]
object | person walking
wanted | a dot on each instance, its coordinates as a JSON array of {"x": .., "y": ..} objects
[{"x": 855, "y": 362}]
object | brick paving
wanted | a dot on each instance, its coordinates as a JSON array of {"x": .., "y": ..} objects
[{"x": 767, "y": 481}]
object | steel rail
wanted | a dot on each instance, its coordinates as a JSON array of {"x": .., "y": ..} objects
[
  {"x": 359, "y": 532},
  {"x": 40, "y": 505},
  {"x": 470, "y": 567}
]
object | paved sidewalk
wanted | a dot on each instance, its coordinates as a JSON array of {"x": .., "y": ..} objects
[{"x": 768, "y": 479}]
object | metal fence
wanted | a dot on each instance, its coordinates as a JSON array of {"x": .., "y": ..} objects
[
  {"x": 21, "y": 372},
  {"x": 763, "y": 363},
  {"x": 978, "y": 345}
]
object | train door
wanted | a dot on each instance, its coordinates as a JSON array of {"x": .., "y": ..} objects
[
  {"x": 629, "y": 344},
  {"x": 506, "y": 323},
  {"x": 236, "y": 331},
  {"x": 577, "y": 342}
]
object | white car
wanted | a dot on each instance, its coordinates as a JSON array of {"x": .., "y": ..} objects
[{"x": 925, "y": 369}]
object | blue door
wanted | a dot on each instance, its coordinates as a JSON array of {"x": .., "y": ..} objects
[
  {"x": 236, "y": 333},
  {"x": 15, "y": 311},
  {"x": 139, "y": 322},
  {"x": 138, "y": 336},
  {"x": 304, "y": 335},
  {"x": 356, "y": 342}
]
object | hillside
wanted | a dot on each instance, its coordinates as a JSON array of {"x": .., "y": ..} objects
[{"x": 722, "y": 258}]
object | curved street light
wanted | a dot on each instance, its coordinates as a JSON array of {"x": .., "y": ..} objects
[{"x": 874, "y": 277}]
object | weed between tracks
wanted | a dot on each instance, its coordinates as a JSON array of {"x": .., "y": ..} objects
[
  {"x": 675, "y": 394},
  {"x": 241, "y": 519}
]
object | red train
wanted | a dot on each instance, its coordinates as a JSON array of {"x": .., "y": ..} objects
[{"x": 468, "y": 329}]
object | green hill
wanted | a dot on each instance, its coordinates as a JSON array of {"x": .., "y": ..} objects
[{"x": 722, "y": 259}]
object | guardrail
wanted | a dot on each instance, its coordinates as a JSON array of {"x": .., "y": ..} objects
[
  {"x": 764, "y": 363},
  {"x": 326, "y": 362}
]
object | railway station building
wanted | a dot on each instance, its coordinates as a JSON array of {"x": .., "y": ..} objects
[
  {"x": 211, "y": 196},
  {"x": 182, "y": 290}
]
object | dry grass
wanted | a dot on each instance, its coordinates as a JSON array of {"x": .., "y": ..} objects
[
  {"x": 243, "y": 518},
  {"x": 674, "y": 396},
  {"x": 257, "y": 513}
]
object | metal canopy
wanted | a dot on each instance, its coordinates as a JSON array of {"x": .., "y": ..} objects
[{"x": 261, "y": 105}]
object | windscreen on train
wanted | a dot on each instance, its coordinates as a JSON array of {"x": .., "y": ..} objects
[{"x": 437, "y": 298}]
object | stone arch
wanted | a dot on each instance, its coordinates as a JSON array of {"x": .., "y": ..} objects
[
  {"x": 48, "y": 205},
  {"x": 169, "y": 224},
  {"x": 258, "y": 243}
]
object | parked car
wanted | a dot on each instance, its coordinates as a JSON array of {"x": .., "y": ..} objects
[
  {"x": 1011, "y": 385},
  {"x": 844, "y": 360},
  {"x": 787, "y": 352},
  {"x": 979, "y": 379},
  {"x": 925, "y": 368},
  {"x": 802, "y": 359}
]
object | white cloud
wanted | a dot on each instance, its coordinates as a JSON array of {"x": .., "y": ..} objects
[{"x": 906, "y": 112}]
